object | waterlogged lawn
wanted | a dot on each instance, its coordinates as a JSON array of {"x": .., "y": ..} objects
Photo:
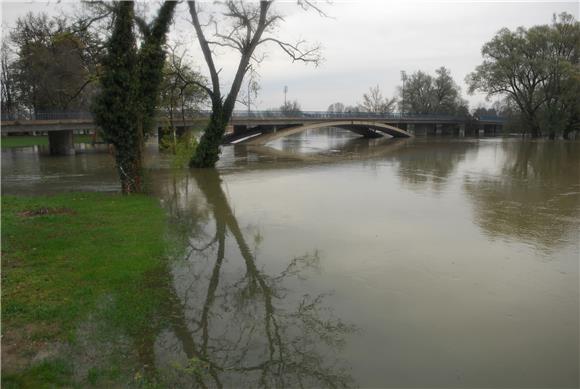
[
  {"x": 79, "y": 271},
  {"x": 27, "y": 141}
]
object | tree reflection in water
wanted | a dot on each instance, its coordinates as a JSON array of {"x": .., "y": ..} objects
[
  {"x": 425, "y": 165},
  {"x": 233, "y": 326},
  {"x": 536, "y": 198}
]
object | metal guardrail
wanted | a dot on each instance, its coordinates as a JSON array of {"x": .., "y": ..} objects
[
  {"x": 490, "y": 118},
  {"x": 85, "y": 115},
  {"x": 52, "y": 115},
  {"x": 343, "y": 115}
]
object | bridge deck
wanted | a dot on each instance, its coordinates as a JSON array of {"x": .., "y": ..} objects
[
  {"x": 84, "y": 121},
  {"x": 263, "y": 134}
]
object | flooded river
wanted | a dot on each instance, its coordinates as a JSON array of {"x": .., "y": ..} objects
[{"x": 325, "y": 260}]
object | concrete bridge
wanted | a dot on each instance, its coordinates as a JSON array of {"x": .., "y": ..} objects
[
  {"x": 260, "y": 127},
  {"x": 263, "y": 127},
  {"x": 262, "y": 133}
]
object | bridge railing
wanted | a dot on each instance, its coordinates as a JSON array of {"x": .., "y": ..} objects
[
  {"x": 342, "y": 115},
  {"x": 47, "y": 115},
  {"x": 267, "y": 114},
  {"x": 490, "y": 118}
]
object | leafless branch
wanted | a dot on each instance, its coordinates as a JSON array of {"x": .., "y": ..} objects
[
  {"x": 215, "y": 94},
  {"x": 176, "y": 61},
  {"x": 296, "y": 51},
  {"x": 309, "y": 4}
]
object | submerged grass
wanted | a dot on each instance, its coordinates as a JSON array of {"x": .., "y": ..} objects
[
  {"x": 27, "y": 141},
  {"x": 63, "y": 256}
]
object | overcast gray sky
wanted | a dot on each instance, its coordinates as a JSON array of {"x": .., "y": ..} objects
[{"x": 365, "y": 43}]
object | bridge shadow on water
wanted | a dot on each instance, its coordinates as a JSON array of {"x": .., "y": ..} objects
[
  {"x": 298, "y": 152},
  {"x": 420, "y": 163}
]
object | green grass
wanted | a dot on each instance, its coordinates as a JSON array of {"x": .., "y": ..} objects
[
  {"x": 60, "y": 264},
  {"x": 27, "y": 141},
  {"x": 49, "y": 374}
]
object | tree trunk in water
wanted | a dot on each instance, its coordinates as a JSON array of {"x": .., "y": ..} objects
[
  {"x": 568, "y": 130},
  {"x": 131, "y": 175},
  {"x": 130, "y": 163},
  {"x": 535, "y": 130},
  {"x": 208, "y": 149}
]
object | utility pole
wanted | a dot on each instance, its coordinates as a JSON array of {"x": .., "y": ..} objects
[
  {"x": 404, "y": 78},
  {"x": 249, "y": 98},
  {"x": 285, "y": 92}
]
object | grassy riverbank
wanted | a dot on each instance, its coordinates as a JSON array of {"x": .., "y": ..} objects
[
  {"x": 27, "y": 141},
  {"x": 79, "y": 276}
]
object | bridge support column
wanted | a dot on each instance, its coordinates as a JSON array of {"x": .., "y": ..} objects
[
  {"x": 61, "y": 142},
  {"x": 411, "y": 128},
  {"x": 438, "y": 129},
  {"x": 481, "y": 130},
  {"x": 462, "y": 130},
  {"x": 239, "y": 128}
]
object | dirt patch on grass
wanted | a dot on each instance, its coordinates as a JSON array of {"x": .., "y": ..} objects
[
  {"x": 44, "y": 211},
  {"x": 28, "y": 344}
]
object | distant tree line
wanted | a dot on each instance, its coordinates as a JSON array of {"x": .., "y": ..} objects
[
  {"x": 55, "y": 64},
  {"x": 421, "y": 93},
  {"x": 533, "y": 74}
]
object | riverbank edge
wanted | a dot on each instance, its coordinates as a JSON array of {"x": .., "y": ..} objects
[
  {"x": 10, "y": 142},
  {"x": 70, "y": 261}
]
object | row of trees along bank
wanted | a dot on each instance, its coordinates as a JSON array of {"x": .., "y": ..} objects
[
  {"x": 537, "y": 70},
  {"x": 421, "y": 93}
]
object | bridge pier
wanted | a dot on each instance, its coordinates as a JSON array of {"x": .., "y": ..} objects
[
  {"x": 61, "y": 142},
  {"x": 462, "y": 130},
  {"x": 481, "y": 130},
  {"x": 239, "y": 128},
  {"x": 411, "y": 128},
  {"x": 438, "y": 129}
]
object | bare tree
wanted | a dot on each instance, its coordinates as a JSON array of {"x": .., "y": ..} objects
[
  {"x": 249, "y": 98},
  {"x": 291, "y": 108},
  {"x": 248, "y": 26},
  {"x": 7, "y": 81},
  {"x": 375, "y": 102},
  {"x": 336, "y": 108},
  {"x": 180, "y": 93}
]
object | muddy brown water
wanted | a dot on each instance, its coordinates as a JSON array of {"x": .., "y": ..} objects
[{"x": 324, "y": 260}]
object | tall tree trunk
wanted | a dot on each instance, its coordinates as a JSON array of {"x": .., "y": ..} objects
[
  {"x": 130, "y": 173},
  {"x": 130, "y": 163},
  {"x": 208, "y": 149},
  {"x": 535, "y": 130},
  {"x": 207, "y": 153},
  {"x": 533, "y": 124}
]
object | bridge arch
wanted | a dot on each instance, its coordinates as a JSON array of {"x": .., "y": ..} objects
[{"x": 370, "y": 129}]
